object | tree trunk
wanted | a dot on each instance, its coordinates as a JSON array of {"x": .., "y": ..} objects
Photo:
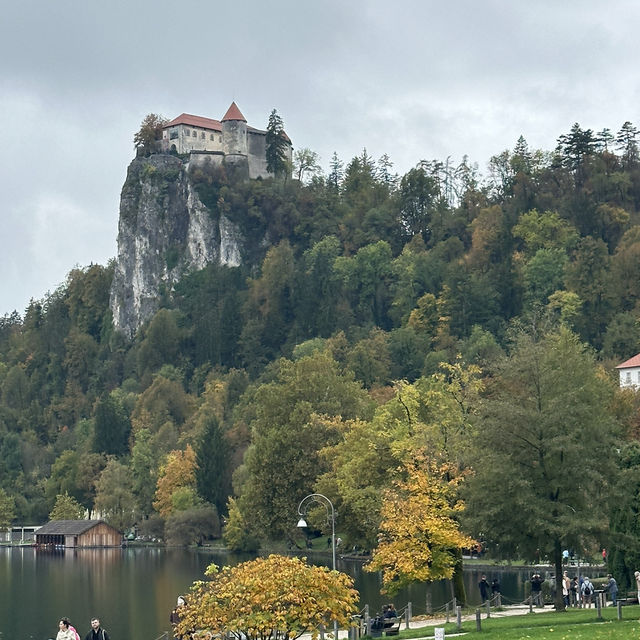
[
  {"x": 557, "y": 561},
  {"x": 458, "y": 580}
]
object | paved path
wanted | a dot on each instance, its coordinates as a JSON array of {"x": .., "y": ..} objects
[{"x": 507, "y": 610}]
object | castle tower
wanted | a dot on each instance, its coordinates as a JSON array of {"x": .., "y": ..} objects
[{"x": 234, "y": 135}]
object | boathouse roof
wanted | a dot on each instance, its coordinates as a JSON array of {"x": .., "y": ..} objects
[{"x": 68, "y": 527}]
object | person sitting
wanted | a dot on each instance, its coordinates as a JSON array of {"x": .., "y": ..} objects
[{"x": 391, "y": 612}]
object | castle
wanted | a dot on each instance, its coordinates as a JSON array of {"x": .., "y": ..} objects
[{"x": 228, "y": 141}]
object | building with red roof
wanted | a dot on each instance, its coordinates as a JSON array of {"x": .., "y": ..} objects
[
  {"x": 630, "y": 372},
  {"x": 229, "y": 141}
]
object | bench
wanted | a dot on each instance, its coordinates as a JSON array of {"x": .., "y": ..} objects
[
  {"x": 386, "y": 626},
  {"x": 391, "y": 626}
]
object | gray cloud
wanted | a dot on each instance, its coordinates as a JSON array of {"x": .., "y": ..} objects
[{"x": 412, "y": 79}]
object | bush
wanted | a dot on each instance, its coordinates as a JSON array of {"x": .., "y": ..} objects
[{"x": 192, "y": 526}]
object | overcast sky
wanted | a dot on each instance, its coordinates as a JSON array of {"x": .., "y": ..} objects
[{"x": 412, "y": 79}]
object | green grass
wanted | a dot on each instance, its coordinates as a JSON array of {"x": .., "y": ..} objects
[{"x": 573, "y": 624}]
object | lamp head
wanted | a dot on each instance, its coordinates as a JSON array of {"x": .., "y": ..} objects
[{"x": 302, "y": 523}]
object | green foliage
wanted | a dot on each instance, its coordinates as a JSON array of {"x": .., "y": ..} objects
[
  {"x": 212, "y": 458},
  {"x": 7, "y": 509},
  {"x": 356, "y": 278},
  {"x": 282, "y": 415},
  {"x": 114, "y": 497},
  {"x": 66, "y": 508},
  {"x": 194, "y": 525},
  {"x": 112, "y": 426},
  {"x": 547, "y": 416},
  {"x": 237, "y": 533},
  {"x": 276, "y": 143}
]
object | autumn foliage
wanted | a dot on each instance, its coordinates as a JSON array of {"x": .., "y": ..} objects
[
  {"x": 419, "y": 533},
  {"x": 275, "y": 597}
]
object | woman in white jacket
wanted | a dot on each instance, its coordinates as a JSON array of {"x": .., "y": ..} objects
[{"x": 65, "y": 632}]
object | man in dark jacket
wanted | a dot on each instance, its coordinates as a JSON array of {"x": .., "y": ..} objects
[
  {"x": 96, "y": 632},
  {"x": 483, "y": 585}
]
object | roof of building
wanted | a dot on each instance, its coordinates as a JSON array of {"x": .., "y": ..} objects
[
  {"x": 233, "y": 113},
  {"x": 68, "y": 527},
  {"x": 195, "y": 121},
  {"x": 631, "y": 362}
]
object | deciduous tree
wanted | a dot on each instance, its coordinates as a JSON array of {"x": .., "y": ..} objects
[
  {"x": 547, "y": 418},
  {"x": 276, "y": 597},
  {"x": 7, "y": 509},
  {"x": 178, "y": 472},
  {"x": 66, "y": 508},
  {"x": 150, "y": 131},
  {"x": 420, "y": 532}
]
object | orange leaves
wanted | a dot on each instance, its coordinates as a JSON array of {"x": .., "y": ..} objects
[{"x": 276, "y": 597}]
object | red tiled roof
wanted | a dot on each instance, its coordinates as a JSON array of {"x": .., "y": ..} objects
[
  {"x": 631, "y": 362},
  {"x": 195, "y": 121},
  {"x": 233, "y": 113}
]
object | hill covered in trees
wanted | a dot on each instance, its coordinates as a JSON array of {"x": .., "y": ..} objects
[{"x": 317, "y": 364}]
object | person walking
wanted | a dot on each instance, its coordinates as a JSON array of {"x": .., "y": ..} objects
[{"x": 96, "y": 632}]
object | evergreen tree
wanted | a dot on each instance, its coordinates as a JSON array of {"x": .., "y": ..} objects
[
  {"x": 276, "y": 145},
  {"x": 212, "y": 470},
  {"x": 112, "y": 426}
]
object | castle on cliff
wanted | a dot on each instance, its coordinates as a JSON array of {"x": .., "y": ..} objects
[{"x": 228, "y": 141}]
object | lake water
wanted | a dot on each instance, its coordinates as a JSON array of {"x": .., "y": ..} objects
[{"x": 133, "y": 590}]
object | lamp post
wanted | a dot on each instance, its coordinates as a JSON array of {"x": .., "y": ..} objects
[{"x": 331, "y": 514}]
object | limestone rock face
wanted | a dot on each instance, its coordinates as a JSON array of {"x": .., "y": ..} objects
[{"x": 164, "y": 232}]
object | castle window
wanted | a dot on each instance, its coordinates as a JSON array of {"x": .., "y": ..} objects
[
  {"x": 173, "y": 134},
  {"x": 194, "y": 134},
  {"x": 187, "y": 132},
  {"x": 220, "y": 139},
  {"x": 212, "y": 138},
  {"x": 202, "y": 135}
]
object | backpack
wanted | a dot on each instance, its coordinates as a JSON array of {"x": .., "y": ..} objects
[
  {"x": 587, "y": 588},
  {"x": 75, "y": 633}
]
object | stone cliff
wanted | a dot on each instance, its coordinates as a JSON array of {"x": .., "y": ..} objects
[{"x": 164, "y": 232}]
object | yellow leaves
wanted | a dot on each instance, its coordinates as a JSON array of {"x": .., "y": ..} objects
[
  {"x": 178, "y": 472},
  {"x": 418, "y": 531},
  {"x": 270, "y": 596}
]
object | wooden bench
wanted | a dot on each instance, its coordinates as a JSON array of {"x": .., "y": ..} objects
[{"x": 391, "y": 626}]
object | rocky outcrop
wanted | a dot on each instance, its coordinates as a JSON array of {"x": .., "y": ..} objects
[{"x": 164, "y": 232}]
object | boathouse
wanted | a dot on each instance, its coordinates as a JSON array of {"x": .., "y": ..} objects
[{"x": 78, "y": 533}]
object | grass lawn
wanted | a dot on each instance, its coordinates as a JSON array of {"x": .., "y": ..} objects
[{"x": 573, "y": 624}]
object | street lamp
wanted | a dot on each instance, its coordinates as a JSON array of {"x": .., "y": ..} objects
[{"x": 302, "y": 512}]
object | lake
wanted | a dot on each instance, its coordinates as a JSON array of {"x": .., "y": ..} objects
[{"x": 133, "y": 590}]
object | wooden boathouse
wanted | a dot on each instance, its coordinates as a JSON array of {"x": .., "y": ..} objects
[{"x": 78, "y": 533}]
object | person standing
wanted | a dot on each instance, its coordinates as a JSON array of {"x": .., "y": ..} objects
[
  {"x": 612, "y": 588},
  {"x": 536, "y": 589},
  {"x": 96, "y": 632},
  {"x": 483, "y": 585},
  {"x": 65, "y": 630},
  {"x": 566, "y": 588},
  {"x": 587, "y": 592}
]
